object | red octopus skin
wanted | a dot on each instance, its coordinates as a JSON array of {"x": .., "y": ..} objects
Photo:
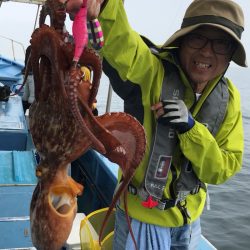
[{"x": 63, "y": 128}]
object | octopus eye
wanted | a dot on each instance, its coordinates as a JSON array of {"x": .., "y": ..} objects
[{"x": 62, "y": 200}]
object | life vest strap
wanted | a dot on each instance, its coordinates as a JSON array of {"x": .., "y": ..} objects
[
  {"x": 148, "y": 200},
  {"x": 164, "y": 203}
]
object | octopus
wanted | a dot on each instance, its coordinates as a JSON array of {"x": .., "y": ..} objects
[{"x": 63, "y": 128}]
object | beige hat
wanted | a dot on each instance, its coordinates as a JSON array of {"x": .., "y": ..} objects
[{"x": 222, "y": 14}]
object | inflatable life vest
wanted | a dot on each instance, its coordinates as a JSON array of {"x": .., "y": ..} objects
[{"x": 185, "y": 182}]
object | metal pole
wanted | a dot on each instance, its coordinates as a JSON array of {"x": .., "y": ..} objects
[
  {"x": 13, "y": 49},
  {"x": 38, "y": 7},
  {"x": 108, "y": 104}
]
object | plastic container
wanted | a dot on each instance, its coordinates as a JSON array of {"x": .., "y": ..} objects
[{"x": 90, "y": 228}]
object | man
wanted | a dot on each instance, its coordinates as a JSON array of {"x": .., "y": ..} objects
[{"x": 190, "y": 111}]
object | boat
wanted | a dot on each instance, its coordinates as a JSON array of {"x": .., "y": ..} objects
[{"x": 18, "y": 161}]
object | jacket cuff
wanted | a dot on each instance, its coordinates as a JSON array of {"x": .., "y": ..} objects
[{"x": 190, "y": 132}]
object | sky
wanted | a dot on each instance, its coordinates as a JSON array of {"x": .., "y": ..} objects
[{"x": 157, "y": 20}]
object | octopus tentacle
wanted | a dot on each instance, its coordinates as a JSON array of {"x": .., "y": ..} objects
[
  {"x": 57, "y": 13},
  {"x": 128, "y": 131},
  {"x": 52, "y": 8},
  {"x": 71, "y": 88},
  {"x": 45, "y": 55},
  {"x": 46, "y": 50},
  {"x": 125, "y": 197},
  {"x": 131, "y": 135},
  {"x": 91, "y": 59}
]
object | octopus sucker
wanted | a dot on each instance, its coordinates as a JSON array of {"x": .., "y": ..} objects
[{"x": 63, "y": 128}]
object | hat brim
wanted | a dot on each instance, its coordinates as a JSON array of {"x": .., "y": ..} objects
[{"x": 239, "y": 56}]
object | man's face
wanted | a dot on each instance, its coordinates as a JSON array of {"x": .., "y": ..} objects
[{"x": 204, "y": 64}]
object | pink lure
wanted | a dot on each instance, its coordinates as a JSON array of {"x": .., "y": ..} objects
[{"x": 80, "y": 31}]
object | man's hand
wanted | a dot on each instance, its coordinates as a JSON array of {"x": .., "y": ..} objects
[
  {"x": 175, "y": 114},
  {"x": 94, "y": 7}
]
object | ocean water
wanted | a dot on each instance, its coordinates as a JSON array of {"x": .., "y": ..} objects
[{"x": 227, "y": 224}]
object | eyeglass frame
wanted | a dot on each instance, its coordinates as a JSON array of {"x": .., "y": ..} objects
[{"x": 231, "y": 43}]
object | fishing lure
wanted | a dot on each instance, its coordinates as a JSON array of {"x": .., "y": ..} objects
[{"x": 80, "y": 31}]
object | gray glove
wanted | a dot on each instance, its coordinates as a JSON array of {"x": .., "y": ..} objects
[{"x": 176, "y": 115}]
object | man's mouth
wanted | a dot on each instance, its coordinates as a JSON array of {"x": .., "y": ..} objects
[{"x": 203, "y": 65}]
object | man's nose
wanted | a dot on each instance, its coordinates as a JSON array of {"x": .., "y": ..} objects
[{"x": 207, "y": 49}]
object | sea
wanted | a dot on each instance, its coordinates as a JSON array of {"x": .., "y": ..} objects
[{"x": 227, "y": 223}]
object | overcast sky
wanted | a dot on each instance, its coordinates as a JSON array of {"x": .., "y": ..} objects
[{"x": 157, "y": 19}]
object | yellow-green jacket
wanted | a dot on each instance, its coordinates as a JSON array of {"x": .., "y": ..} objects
[{"x": 214, "y": 160}]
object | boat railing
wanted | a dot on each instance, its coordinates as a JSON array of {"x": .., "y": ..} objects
[
  {"x": 37, "y": 2},
  {"x": 13, "y": 44}
]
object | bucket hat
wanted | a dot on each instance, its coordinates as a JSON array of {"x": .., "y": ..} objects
[{"x": 223, "y": 14}]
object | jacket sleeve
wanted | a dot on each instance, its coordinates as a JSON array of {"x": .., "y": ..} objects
[
  {"x": 217, "y": 159},
  {"x": 124, "y": 49}
]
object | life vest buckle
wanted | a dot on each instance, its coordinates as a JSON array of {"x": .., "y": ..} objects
[{"x": 150, "y": 202}]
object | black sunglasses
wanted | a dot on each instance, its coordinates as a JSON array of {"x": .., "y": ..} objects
[{"x": 220, "y": 46}]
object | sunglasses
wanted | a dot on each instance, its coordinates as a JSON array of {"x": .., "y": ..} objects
[{"x": 220, "y": 46}]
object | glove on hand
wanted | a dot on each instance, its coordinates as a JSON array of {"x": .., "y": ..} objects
[{"x": 176, "y": 115}]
